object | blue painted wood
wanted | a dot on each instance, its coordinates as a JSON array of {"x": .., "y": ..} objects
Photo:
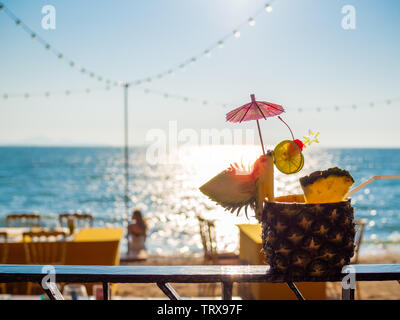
[
  {"x": 183, "y": 274},
  {"x": 374, "y": 272},
  {"x": 149, "y": 274}
]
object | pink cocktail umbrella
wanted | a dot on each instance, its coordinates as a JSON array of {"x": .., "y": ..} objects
[{"x": 255, "y": 110}]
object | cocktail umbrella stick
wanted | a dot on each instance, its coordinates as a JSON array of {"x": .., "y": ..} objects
[{"x": 259, "y": 132}]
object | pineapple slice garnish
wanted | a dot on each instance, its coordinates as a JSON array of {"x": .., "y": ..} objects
[{"x": 326, "y": 186}]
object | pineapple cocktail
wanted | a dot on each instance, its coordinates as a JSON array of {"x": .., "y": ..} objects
[
  {"x": 307, "y": 234},
  {"x": 311, "y": 234}
]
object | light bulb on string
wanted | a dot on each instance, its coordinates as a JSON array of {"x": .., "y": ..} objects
[
  {"x": 193, "y": 60},
  {"x": 33, "y": 35},
  {"x": 207, "y": 53},
  {"x": 60, "y": 56},
  {"x": 252, "y": 22},
  {"x": 236, "y": 34},
  {"x": 47, "y": 46},
  {"x": 182, "y": 67},
  {"x": 220, "y": 44},
  {"x": 72, "y": 64},
  {"x": 18, "y": 22},
  {"x": 268, "y": 8}
]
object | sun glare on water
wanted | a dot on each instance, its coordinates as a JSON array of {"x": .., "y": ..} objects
[{"x": 197, "y": 165}]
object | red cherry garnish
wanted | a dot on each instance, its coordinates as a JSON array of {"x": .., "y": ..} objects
[{"x": 299, "y": 143}]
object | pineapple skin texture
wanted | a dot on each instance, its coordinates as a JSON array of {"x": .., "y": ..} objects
[
  {"x": 326, "y": 190},
  {"x": 312, "y": 240}
]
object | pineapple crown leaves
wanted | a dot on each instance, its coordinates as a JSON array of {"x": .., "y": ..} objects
[
  {"x": 236, "y": 187},
  {"x": 240, "y": 169},
  {"x": 232, "y": 206}
]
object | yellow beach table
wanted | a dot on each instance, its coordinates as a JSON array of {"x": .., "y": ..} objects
[
  {"x": 95, "y": 246},
  {"x": 251, "y": 250},
  {"x": 90, "y": 246}
]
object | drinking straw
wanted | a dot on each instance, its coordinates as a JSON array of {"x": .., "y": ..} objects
[{"x": 358, "y": 188}]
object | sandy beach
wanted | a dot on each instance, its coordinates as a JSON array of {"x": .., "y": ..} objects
[{"x": 366, "y": 290}]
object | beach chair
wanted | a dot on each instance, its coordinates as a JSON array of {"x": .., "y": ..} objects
[
  {"x": 209, "y": 242},
  {"x": 46, "y": 248},
  {"x": 82, "y": 220},
  {"x": 3, "y": 257},
  {"x": 23, "y": 220},
  {"x": 211, "y": 255},
  {"x": 360, "y": 226}
]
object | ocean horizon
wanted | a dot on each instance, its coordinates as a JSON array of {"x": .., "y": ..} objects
[{"x": 53, "y": 179}]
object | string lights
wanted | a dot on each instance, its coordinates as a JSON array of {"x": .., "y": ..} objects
[
  {"x": 184, "y": 98},
  {"x": 47, "y": 46},
  {"x": 48, "y": 94},
  {"x": 236, "y": 33},
  {"x": 169, "y": 72},
  {"x": 219, "y": 44},
  {"x": 68, "y": 92},
  {"x": 202, "y": 101},
  {"x": 371, "y": 104}
]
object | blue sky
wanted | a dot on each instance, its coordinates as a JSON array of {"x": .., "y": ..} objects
[{"x": 298, "y": 56}]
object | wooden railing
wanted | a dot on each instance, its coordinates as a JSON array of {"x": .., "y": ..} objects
[{"x": 48, "y": 276}]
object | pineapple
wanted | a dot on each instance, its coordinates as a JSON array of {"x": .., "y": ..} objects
[
  {"x": 234, "y": 188},
  {"x": 301, "y": 239},
  {"x": 326, "y": 186},
  {"x": 291, "y": 198}
]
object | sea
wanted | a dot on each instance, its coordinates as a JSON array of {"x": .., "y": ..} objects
[{"x": 53, "y": 180}]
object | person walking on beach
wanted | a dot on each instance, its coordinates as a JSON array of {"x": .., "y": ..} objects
[{"x": 137, "y": 231}]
